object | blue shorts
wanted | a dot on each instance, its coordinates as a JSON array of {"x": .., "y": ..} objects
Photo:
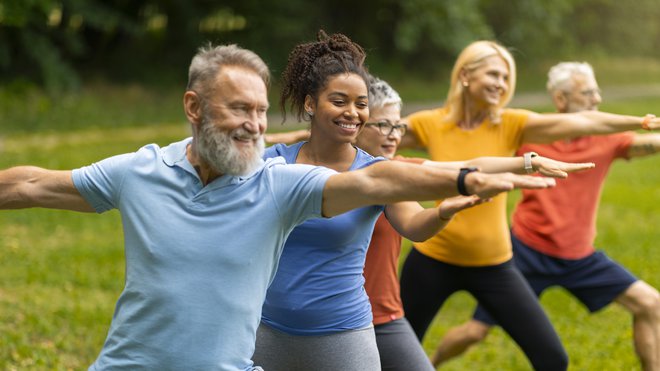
[{"x": 595, "y": 280}]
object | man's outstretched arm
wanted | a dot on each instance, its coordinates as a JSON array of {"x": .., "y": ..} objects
[
  {"x": 29, "y": 186},
  {"x": 644, "y": 145},
  {"x": 387, "y": 182}
]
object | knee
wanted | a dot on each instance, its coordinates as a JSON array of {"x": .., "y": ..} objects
[
  {"x": 651, "y": 305},
  {"x": 647, "y": 305}
]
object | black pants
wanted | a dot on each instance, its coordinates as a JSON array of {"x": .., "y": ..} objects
[{"x": 427, "y": 283}]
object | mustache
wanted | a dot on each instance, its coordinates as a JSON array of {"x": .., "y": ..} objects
[{"x": 243, "y": 134}]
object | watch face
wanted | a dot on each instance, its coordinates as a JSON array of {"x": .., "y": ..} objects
[{"x": 527, "y": 161}]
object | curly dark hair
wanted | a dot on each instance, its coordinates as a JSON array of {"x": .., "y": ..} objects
[{"x": 310, "y": 65}]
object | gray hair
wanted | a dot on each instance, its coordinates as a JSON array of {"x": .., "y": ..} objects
[
  {"x": 560, "y": 76},
  {"x": 206, "y": 65},
  {"x": 382, "y": 94}
]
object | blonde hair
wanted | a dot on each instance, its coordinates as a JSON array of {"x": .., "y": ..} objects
[{"x": 471, "y": 58}]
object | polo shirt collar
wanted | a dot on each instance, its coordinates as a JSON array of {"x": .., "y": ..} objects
[{"x": 175, "y": 155}]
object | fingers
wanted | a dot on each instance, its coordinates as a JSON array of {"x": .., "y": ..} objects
[
  {"x": 554, "y": 172},
  {"x": 452, "y": 205},
  {"x": 489, "y": 185},
  {"x": 559, "y": 169},
  {"x": 531, "y": 182},
  {"x": 568, "y": 167},
  {"x": 535, "y": 182}
]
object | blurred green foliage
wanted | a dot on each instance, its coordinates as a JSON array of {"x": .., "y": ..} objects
[{"x": 57, "y": 43}]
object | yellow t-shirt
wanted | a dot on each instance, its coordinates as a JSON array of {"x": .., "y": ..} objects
[{"x": 478, "y": 236}]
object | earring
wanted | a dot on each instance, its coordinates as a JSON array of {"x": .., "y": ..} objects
[
  {"x": 466, "y": 84},
  {"x": 310, "y": 113}
]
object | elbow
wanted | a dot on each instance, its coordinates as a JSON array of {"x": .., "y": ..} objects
[{"x": 420, "y": 236}]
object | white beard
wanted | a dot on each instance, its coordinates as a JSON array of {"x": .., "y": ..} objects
[{"x": 216, "y": 147}]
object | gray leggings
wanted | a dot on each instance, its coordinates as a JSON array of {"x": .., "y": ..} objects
[
  {"x": 347, "y": 350},
  {"x": 399, "y": 348}
]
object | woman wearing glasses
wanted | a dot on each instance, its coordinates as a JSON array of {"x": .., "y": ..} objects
[{"x": 397, "y": 344}]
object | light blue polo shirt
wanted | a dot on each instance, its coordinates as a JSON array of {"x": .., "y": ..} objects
[
  {"x": 319, "y": 285},
  {"x": 198, "y": 259}
]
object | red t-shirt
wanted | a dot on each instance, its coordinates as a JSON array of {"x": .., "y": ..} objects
[
  {"x": 561, "y": 221},
  {"x": 380, "y": 273},
  {"x": 381, "y": 265}
]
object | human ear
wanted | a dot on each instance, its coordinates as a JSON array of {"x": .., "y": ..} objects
[
  {"x": 309, "y": 105},
  {"x": 560, "y": 100},
  {"x": 192, "y": 107},
  {"x": 464, "y": 77}
]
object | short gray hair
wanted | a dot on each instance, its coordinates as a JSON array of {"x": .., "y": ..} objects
[
  {"x": 382, "y": 94},
  {"x": 560, "y": 76},
  {"x": 209, "y": 59}
]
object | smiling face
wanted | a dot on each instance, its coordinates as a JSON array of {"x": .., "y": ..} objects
[
  {"x": 372, "y": 140},
  {"x": 229, "y": 121},
  {"x": 488, "y": 83},
  {"x": 341, "y": 108}
]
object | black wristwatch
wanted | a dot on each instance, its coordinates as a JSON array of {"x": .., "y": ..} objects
[{"x": 460, "y": 182}]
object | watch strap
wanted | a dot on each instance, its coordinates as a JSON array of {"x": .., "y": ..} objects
[
  {"x": 460, "y": 181},
  {"x": 527, "y": 161}
]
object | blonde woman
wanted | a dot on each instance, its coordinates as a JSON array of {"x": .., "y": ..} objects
[{"x": 473, "y": 252}]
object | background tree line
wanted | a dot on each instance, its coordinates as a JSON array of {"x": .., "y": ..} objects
[{"x": 58, "y": 43}]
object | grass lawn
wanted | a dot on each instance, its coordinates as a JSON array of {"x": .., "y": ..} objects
[{"x": 62, "y": 272}]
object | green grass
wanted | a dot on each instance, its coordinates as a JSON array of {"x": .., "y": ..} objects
[
  {"x": 62, "y": 272},
  {"x": 23, "y": 108}
]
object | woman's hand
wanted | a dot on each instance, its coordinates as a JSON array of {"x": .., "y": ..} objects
[
  {"x": 558, "y": 169},
  {"x": 452, "y": 205}
]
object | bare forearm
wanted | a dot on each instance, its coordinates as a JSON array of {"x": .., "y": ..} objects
[
  {"x": 28, "y": 186},
  {"x": 644, "y": 145},
  {"x": 485, "y": 164},
  {"x": 424, "y": 225},
  {"x": 546, "y": 128},
  {"x": 414, "y": 222},
  {"x": 387, "y": 182},
  {"x": 13, "y": 185},
  {"x": 609, "y": 123},
  {"x": 516, "y": 165},
  {"x": 394, "y": 181},
  {"x": 289, "y": 137},
  {"x": 498, "y": 164}
]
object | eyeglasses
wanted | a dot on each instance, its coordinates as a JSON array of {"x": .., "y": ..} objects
[
  {"x": 590, "y": 93},
  {"x": 386, "y": 128}
]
